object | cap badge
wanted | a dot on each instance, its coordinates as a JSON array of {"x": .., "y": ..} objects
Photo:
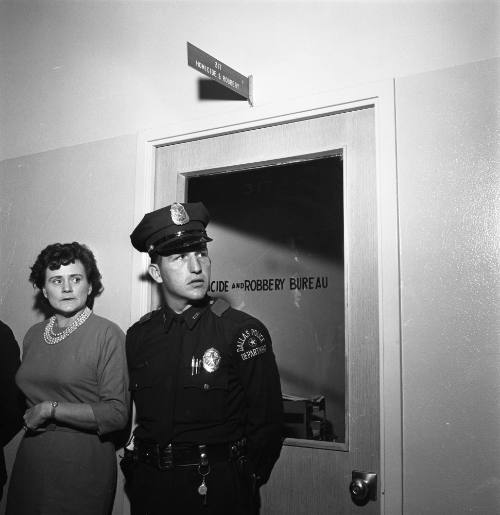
[
  {"x": 178, "y": 214},
  {"x": 211, "y": 360}
]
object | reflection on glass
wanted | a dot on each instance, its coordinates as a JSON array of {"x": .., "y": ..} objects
[{"x": 278, "y": 254}]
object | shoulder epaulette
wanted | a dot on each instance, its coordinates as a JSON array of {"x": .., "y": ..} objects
[
  {"x": 148, "y": 316},
  {"x": 219, "y": 307},
  {"x": 144, "y": 318}
]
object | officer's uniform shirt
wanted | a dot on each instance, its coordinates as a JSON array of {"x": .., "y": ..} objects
[{"x": 236, "y": 394}]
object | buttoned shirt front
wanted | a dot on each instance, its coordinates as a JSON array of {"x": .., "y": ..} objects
[{"x": 222, "y": 382}]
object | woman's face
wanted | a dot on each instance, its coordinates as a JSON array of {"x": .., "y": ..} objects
[{"x": 67, "y": 288}]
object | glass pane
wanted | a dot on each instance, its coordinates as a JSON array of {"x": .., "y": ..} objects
[{"x": 278, "y": 254}]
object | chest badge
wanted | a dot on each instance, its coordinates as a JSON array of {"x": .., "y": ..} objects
[{"x": 211, "y": 360}]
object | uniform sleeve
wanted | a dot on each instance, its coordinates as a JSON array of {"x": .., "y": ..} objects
[
  {"x": 130, "y": 344},
  {"x": 112, "y": 410},
  {"x": 11, "y": 398},
  {"x": 259, "y": 375}
]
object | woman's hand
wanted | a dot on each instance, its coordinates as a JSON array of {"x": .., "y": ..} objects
[
  {"x": 35, "y": 416},
  {"x": 74, "y": 414}
]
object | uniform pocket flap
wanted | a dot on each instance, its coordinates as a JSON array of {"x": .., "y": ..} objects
[
  {"x": 207, "y": 383},
  {"x": 141, "y": 377}
]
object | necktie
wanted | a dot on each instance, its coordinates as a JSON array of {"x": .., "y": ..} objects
[{"x": 174, "y": 344}]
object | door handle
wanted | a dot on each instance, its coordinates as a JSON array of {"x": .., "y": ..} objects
[{"x": 363, "y": 487}]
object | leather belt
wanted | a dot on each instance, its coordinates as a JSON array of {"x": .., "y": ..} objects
[{"x": 178, "y": 455}]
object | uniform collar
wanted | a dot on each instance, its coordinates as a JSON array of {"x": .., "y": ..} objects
[{"x": 191, "y": 315}]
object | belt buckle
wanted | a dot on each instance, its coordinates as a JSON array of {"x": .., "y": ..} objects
[{"x": 165, "y": 459}]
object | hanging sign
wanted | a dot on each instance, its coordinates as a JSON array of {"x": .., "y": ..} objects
[{"x": 220, "y": 72}]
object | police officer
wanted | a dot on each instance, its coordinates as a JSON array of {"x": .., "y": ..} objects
[{"x": 204, "y": 382}]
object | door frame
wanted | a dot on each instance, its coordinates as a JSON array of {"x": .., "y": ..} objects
[{"x": 381, "y": 96}]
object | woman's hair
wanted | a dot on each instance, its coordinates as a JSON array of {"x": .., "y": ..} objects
[{"x": 57, "y": 254}]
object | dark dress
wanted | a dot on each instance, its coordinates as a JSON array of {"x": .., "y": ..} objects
[
  {"x": 61, "y": 470},
  {"x": 11, "y": 398}
]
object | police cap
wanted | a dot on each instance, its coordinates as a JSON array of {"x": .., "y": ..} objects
[{"x": 171, "y": 229}]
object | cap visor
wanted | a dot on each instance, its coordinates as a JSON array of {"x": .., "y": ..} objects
[{"x": 182, "y": 244}]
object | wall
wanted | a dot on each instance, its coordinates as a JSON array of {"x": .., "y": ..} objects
[
  {"x": 81, "y": 193},
  {"x": 448, "y": 160},
  {"x": 79, "y": 79},
  {"x": 80, "y": 71}
]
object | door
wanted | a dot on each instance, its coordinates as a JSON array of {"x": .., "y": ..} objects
[{"x": 295, "y": 244}]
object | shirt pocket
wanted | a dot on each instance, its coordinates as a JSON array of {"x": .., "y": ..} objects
[{"x": 204, "y": 398}]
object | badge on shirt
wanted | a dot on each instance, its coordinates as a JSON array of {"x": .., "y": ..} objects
[{"x": 211, "y": 360}]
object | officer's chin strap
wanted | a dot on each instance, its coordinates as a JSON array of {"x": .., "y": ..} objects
[{"x": 204, "y": 470}]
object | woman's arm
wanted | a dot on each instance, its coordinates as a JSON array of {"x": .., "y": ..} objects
[
  {"x": 74, "y": 414},
  {"x": 111, "y": 411}
]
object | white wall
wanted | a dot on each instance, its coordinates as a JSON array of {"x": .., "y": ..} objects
[
  {"x": 79, "y": 71},
  {"x": 449, "y": 184},
  {"x": 82, "y": 193},
  {"x": 79, "y": 79}
]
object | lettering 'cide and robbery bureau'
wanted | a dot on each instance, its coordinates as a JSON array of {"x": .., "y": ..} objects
[{"x": 270, "y": 284}]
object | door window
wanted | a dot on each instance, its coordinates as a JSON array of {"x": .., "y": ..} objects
[{"x": 278, "y": 253}]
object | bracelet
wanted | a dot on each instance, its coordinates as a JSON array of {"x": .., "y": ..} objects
[{"x": 53, "y": 405}]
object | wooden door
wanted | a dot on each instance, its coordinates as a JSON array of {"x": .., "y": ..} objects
[{"x": 312, "y": 476}]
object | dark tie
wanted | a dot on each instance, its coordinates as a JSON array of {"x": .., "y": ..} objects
[{"x": 174, "y": 344}]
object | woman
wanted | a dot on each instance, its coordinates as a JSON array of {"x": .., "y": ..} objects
[{"x": 73, "y": 374}]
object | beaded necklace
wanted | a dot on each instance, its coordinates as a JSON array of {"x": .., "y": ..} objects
[{"x": 52, "y": 338}]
